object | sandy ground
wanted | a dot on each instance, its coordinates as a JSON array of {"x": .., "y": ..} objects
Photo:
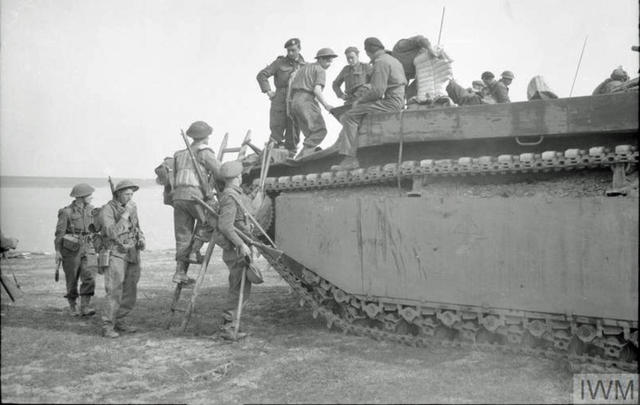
[{"x": 48, "y": 356}]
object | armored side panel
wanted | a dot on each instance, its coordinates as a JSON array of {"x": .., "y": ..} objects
[{"x": 540, "y": 253}]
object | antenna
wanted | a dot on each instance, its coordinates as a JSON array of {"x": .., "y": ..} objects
[
  {"x": 578, "y": 67},
  {"x": 441, "y": 24}
]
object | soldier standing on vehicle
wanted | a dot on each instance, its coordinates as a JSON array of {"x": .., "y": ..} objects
[
  {"x": 123, "y": 239},
  {"x": 189, "y": 221},
  {"x": 306, "y": 91},
  {"x": 236, "y": 254},
  {"x": 72, "y": 245},
  {"x": 497, "y": 89},
  {"x": 355, "y": 77},
  {"x": 385, "y": 95},
  {"x": 283, "y": 131}
]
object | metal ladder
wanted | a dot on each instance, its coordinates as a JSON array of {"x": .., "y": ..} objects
[{"x": 190, "y": 307}]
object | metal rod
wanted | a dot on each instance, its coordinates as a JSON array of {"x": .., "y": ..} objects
[
  {"x": 236, "y": 329},
  {"x": 578, "y": 67},
  {"x": 441, "y": 24}
]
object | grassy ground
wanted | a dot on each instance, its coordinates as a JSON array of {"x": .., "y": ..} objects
[{"x": 48, "y": 356}]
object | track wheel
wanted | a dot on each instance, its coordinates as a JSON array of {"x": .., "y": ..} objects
[
  {"x": 577, "y": 347},
  {"x": 405, "y": 328},
  {"x": 444, "y": 333},
  {"x": 484, "y": 336}
]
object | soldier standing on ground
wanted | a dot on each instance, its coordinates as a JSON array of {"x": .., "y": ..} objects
[
  {"x": 283, "y": 131},
  {"x": 189, "y": 221},
  {"x": 306, "y": 91},
  {"x": 355, "y": 77},
  {"x": 236, "y": 254},
  {"x": 385, "y": 95},
  {"x": 72, "y": 245},
  {"x": 123, "y": 238}
]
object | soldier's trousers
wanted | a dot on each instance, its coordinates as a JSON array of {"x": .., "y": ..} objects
[
  {"x": 121, "y": 285},
  {"x": 75, "y": 269},
  {"x": 461, "y": 96},
  {"x": 185, "y": 214},
  {"x": 348, "y": 138},
  {"x": 235, "y": 263},
  {"x": 308, "y": 117},
  {"x": 283, "y": 130}
]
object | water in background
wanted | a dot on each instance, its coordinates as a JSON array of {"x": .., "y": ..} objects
[{"x": 30, "y": 214}]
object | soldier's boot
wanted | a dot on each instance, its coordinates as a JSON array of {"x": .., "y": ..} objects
[
  {"x": 181, "y": 274},
  {"x": 73, "y": 309},
  {"x": 125, "y": 327},
  {"x": 108, "y": 331},
  {"x": 305, "y": 151},
  {"x": 348, "y": 163},
  {"x": 195, "y": 256},
  {"x": 85, "y": 307}
]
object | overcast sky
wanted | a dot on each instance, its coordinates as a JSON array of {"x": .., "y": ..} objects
[{"x": 102, "y": 87}]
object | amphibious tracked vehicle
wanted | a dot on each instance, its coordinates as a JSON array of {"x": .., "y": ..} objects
[{"x": 509, "y": 226}]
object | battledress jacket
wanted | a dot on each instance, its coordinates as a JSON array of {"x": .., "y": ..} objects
[
  {"x": 119, "y": 234},
  {"x": 72, "y": 219}
]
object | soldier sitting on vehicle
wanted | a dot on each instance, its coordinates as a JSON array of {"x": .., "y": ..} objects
[
  {"x": 617, "y": 78},
  {"x": 355, "y": 77},
  {"x": 498, "y": 88},
  {"x": 385, "y": 95},
  {"x": 477, "y": 94}
]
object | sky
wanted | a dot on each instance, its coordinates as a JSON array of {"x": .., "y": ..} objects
[{"x": 102, "y": 87}]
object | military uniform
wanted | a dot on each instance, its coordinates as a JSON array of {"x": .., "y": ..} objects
[
  {"x": 499, "y": 91},
  {"x": 283, "y": 132},
  {"x": 189, "y": 234},
  {"x": 74, "y": 221},
  {"x": 231, "y": 216},
  {"x": 386, "y": 94},
  {"x": 124, "y": 239},
  {"x": 462, "y": 96},
  {"x": 305, "y": 109},
  {"x": 355, "y": 79}
]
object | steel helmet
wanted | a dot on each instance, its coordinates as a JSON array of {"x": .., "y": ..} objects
[
  {"x": 326, "y": 53},
  {"x": 619, "y": 74},
  {"x": 487, "y": 76},
  {"x": 124, "y": 184},
  {"x": 507, "y": 74},
  {"x": 230, "y": 170},
  {"x": 81, "y": 190},
  {"x": 199, "y": 130},
  {"x": 254, "y": 275}
]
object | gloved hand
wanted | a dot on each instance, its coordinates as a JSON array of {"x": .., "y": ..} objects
[{"x": 141, "y": 244}]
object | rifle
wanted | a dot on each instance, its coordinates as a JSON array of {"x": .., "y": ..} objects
[
  {"x": 113, "y": 192},
  {"x": 204, "y": 184}
]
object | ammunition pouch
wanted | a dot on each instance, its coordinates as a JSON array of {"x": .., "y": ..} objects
[
  {"x": 71, "y": 242},
  {"x": 92, "y": 261}
]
